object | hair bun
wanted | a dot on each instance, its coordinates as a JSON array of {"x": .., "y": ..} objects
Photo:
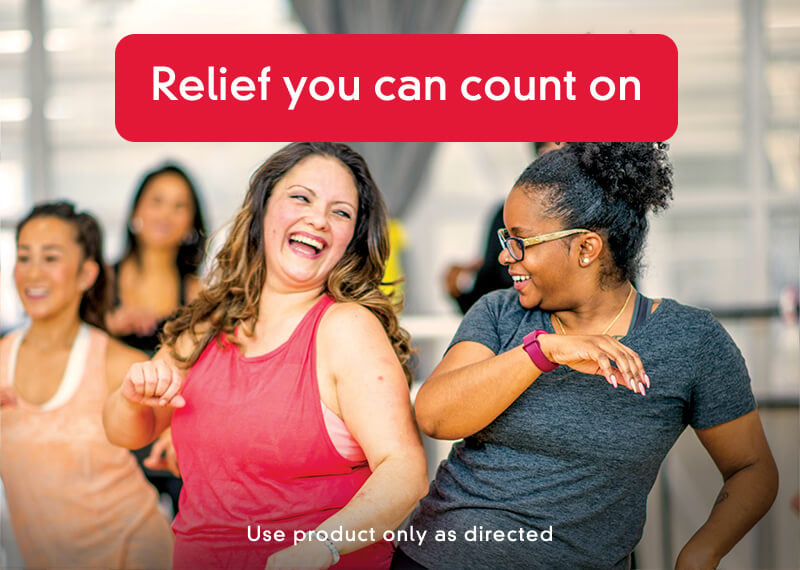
[{"x": 638, "y": 173}]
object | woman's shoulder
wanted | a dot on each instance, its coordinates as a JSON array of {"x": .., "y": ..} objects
[
  {"x": 689, "y": 324},
  {"x": 670, "y": 308},
  {"x": 348, "y": 317}
]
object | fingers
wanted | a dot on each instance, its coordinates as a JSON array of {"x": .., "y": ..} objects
[
  {"x": 8, "y": 397},
  {"x": 170, "y": 396},
  {"x": 156, "y": 462},
  {"x": 598, "y": 354},
  {"x": 605, "y": 368},
  {"x": 142, "y": 322},
  {"x": 154, "y": 383},
  {"x": 159, "y": 449},
  {"x": 629, "y": 365},
  {"x": 163, "y": 463},
  {"x": 127, "y": 320},
  {"x": 162, "y": 455}
]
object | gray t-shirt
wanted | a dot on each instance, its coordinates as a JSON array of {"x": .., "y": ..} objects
[{"x": 572, "y": 454}]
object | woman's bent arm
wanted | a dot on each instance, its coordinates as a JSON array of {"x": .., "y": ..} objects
[
  {"x": 471, "y": 386},
  {"x": 373, "y": 399},
  {"x": 740, "y": 451},
  {"x": 133, "y": 418}
]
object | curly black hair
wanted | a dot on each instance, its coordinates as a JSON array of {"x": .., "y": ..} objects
[{"x": 605, "y": 187}]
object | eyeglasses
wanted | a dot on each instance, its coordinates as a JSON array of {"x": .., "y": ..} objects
[{"x": 515, "y": 246}]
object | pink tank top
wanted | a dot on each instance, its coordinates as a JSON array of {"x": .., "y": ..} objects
[{"x": 255, "y": 456}]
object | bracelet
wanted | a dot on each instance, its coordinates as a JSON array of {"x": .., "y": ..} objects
[
  {"x": 332, "y": 547},
  {"x": 531, "y": 345}
]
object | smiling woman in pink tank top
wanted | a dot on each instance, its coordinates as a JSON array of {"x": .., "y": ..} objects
[
  {"x": 286, "y": 382},
  {"x": 75, "y": 500}
]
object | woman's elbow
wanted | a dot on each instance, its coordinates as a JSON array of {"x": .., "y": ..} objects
[
  {"x": 427, "y": 422},
  {"x": 429, "y": 416},
  {"x": 435, "y": 426},
  {"x": 113, "y": 435},
  {"x": 771, "y": 481}
]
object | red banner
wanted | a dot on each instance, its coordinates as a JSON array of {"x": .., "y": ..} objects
[{"x": 396, "y": 87}]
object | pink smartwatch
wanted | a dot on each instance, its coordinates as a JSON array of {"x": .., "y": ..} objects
[{"x": 531, "y": 345}]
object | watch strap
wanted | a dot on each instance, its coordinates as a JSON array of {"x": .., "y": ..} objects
[{"x": 531, "y": 345}]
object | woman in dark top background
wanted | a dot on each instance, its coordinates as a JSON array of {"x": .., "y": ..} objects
[
  {"x": 486, "y": 274},
  {"x": 166, "y": 238}
]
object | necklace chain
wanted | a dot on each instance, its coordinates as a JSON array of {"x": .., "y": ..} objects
[{"x": 611, "y": 324}]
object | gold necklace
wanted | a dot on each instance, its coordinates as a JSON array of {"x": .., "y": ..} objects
[{"x": 611, "y": 324}]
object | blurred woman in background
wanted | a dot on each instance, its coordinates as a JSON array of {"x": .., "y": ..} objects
[
  {"x": 75, "y": 499},
  {"x": 166, "y": 238}
]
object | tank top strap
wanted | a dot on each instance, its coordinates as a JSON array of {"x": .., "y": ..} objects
[
  {"x": 302, "y": 342},
  {"x": 94, "y": 373},
  {"x": 8, "y": 346},
  {"x": 641, "y": 310},
  {"x": 86, "y": 360}
]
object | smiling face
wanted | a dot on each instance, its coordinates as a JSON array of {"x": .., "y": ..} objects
[
  {"x": 310, "y": 219},
  {"x": 51, "y": 274},
  {"x": 544, "y": 276},
  {"x": 164, "y": 213}
]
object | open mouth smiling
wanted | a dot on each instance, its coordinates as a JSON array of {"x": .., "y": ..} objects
[
  {"x": 307, "y": 244},
  {"x": 36, "y": 292}
]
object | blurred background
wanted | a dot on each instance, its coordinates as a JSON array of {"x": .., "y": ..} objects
[{"x": 730, "y": 241}]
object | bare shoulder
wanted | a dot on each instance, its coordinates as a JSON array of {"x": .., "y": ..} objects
[
  {"x": 119, "y": 358},
  {"x": 349, "y": 318},
  {"x": 350, "y": 330},
  {"x": 353, "y": 346}
]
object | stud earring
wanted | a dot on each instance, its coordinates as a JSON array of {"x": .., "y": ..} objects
[
  {"x": 585, "y": 260},
  {"x": 136, "y": 225},
  {"x": 191, "y": 237}
]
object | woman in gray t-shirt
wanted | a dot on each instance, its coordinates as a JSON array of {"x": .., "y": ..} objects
[{"x": 555, "y": 465}]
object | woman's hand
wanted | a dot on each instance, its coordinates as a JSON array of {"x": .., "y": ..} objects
[
  {"x": 154, "y": 383},
  {"x": 8, "y": 396},
  {"x": 456, "y": 275},
  {"x": 131, "y": 320},
  {"x": 594, "y": 355},
  {"x": 306, "y": 554},
  {"x": 162, "y": 455}
]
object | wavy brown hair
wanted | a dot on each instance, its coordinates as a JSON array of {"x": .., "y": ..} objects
[{"x": 232, "y": 293}]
